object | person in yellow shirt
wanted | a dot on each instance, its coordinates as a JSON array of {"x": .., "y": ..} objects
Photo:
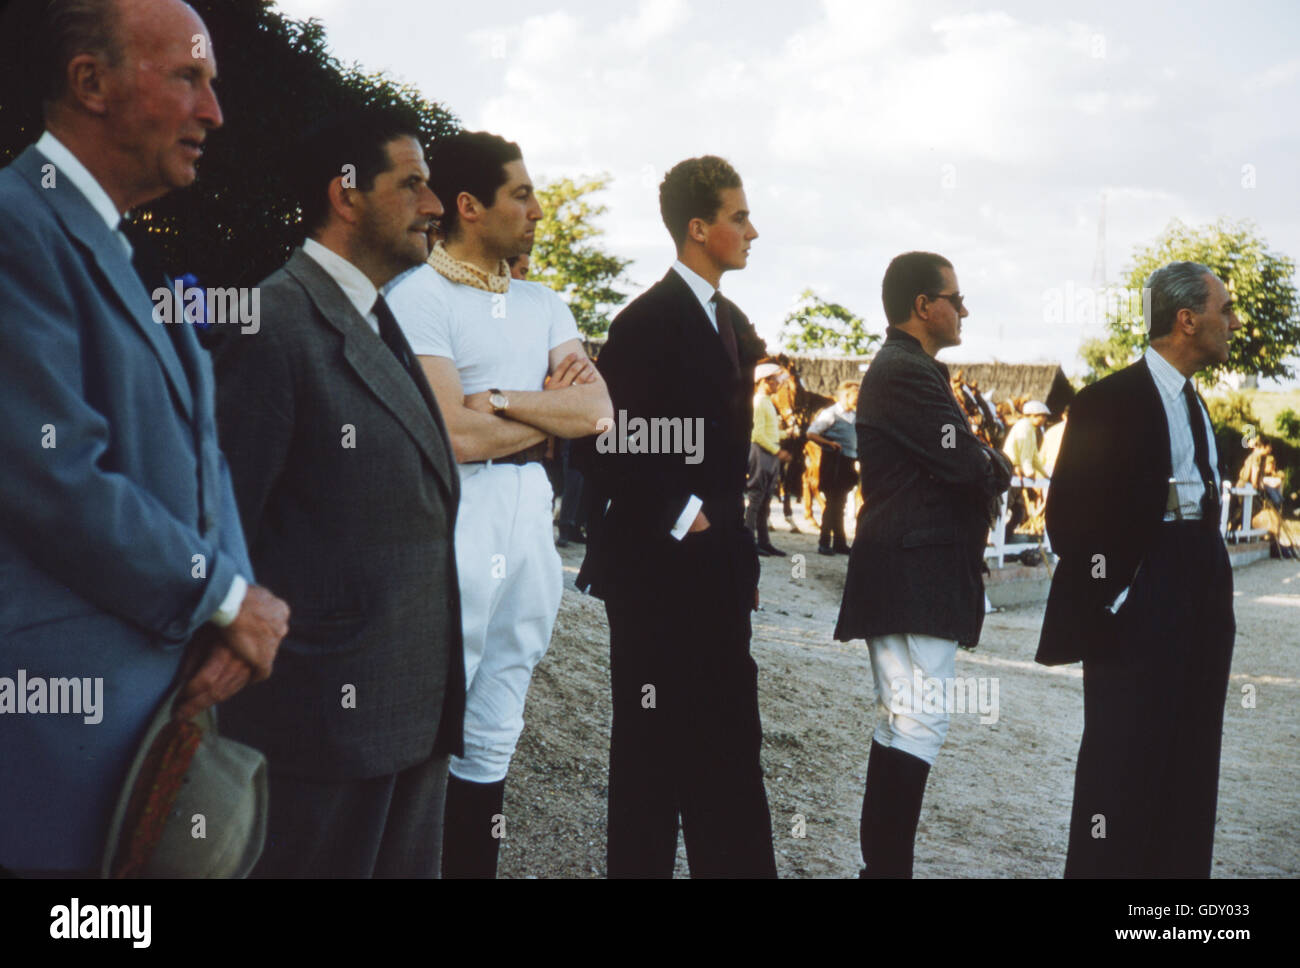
[
  {"x": 1052, "y": 442},
  {"x": 765, "y": 457},
  {"x": 1021, "y": 446}
]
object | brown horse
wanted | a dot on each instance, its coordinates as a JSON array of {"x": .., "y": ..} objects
[{"x": 796, "y": 406}]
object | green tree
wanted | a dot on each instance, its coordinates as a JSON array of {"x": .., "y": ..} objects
[
  {"x": 566, "y": 257},
  {"x": 1288, "y": 424},
  {"x": 818, "y": 326},
  {"x": 237, "y": 223},
  {"x": 1258, "y": 279}
]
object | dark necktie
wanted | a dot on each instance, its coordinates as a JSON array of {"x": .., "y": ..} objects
[
  {"x": 395, "y": 340},
  {"x": 1210, "y": 499},
  {"x": 725, "y": 331}
]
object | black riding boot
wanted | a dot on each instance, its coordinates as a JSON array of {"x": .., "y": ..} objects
[
  {"x": 891, "y": 807},
  {"x": 469, "y": 848}
]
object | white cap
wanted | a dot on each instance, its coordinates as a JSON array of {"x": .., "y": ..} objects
[
  {"x": 764, "y": 370},
  {"x": 1034, "y": 407}
]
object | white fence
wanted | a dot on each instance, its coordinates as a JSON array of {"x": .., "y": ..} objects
[{"x": 997, "y": 544}]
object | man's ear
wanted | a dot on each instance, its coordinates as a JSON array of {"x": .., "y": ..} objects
[
  {"x": 698, "y": 230},
  {"x": 468, "y": 207},
  {"x": 918, "y": 308},
  {"x": 343, "y": 201},
  {"x": 88, "y": 83}
]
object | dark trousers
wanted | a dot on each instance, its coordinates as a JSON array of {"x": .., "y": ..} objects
[
  {"x": 1153, "y": 701},
  {"x": 387, "y": 825},
  {"x": 836, "y": 478},
  {"x": 761, "y": 479},
  {"x": 686, "y": 735}
]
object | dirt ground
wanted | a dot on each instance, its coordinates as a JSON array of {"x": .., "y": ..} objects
[{"x": 998, "y": 799}]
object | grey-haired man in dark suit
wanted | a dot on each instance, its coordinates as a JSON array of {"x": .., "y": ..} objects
[
  {"x": 348, "y": 491},
  {"x": 913, "y": 588}
]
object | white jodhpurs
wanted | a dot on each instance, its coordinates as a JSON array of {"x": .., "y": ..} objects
[
  {"x": 510, "y": 587},
  {"x": 905, "y": 721}
]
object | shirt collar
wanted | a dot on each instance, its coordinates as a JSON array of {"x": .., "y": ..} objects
[
  {"x": 702, "y": 288},
  {"x": 361, "y": 292},
  {"x": 68, "y": 166},
  {"x": 1168, "y": 379}
]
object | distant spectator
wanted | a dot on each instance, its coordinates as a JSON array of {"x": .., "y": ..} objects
[
  {"x": 765, "y": 457},
  {"x": 834, "y": 429},
  {"x": 519, "y": 265},
  {"x": 1052, "y": 442},
  {"x": 1021, "y": 446}
]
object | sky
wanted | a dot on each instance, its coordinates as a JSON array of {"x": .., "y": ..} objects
[{"x": 990, "y": 133}]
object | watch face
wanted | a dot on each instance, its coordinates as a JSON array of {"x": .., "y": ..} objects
[{"x": 498, "y": 401}]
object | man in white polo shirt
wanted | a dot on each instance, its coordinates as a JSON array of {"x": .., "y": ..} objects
[{"x": 488, "y": 344}]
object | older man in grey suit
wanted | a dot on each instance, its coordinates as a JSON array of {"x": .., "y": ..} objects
[
  {"x": 119, "y": 537},
  {"x": 913, "y": 588},
  {"x": 348, "y": 491}
]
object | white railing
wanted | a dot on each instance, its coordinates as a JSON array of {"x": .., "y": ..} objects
[
  {"x": 1247, "y": 495},
  {"x": 997, "y": 543}
]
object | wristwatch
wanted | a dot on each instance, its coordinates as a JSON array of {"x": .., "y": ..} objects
[{"x": 499, "y": 402}]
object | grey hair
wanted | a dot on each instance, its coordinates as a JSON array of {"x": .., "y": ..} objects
[
  {"x": 1178, "y": 285},
  {"x": 72, "y": 27}
]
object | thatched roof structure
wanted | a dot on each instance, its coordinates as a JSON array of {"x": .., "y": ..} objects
[{"x": 1040, "y": 381}]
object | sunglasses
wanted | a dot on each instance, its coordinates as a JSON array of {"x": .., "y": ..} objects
[{"x": 954, "y": 299}]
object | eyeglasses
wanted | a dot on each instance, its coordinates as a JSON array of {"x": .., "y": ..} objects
[{"x": 954, "y": 299}]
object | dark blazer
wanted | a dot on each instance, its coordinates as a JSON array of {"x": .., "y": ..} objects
[
  {"x": 664, "y": 359},
  {"x": 357, "y": 540},
  {"x": 1108, "y": 496},
  {"x": 928, "y": 485},
  {"x": 119, "y": 535}
]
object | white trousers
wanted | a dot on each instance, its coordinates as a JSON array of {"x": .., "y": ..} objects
[
  {"x": 897, "y": 663},
  {"x": 510, "y": 586}
]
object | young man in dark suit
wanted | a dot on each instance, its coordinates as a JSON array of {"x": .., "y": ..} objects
[
  {"x": 913, "y": 588},
  {"x": 1143, "y": 593},
  {"x": 669, "y": 553},
  {"x": 348, "y": 491}
]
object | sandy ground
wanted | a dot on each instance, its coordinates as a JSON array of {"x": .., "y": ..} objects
[{"x": 998, "y": 799}]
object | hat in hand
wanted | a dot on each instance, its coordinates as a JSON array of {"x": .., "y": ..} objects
[{"x": 193, "y": 804}]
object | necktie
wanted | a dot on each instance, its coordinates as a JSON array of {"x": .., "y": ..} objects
[
  {"x": 394, "y": 339},
  {"x": 725, "y": 331},
  {"x": 1210, "y": 499}
]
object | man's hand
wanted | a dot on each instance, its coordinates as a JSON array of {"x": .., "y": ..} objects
[
  {"x": 479, "y": 402},
  {"x": 221, "y": 675},
  {"x": 574, "y": 368},
  {"x": 701, "y": 523},
  {"x": 255, "y": 634},
  {"x": 784, "y": 456}
]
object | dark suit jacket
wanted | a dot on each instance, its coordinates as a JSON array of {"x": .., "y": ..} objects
[
  {"x": 357, "y": 540},
  {"x": 927, "y": 486},
  {"x": 1107, "y": 498},
  {"x": 112, "y": 488},
  {"x": 664, "y": 359}
]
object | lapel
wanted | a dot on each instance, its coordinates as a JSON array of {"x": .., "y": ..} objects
[
  {"x": 697, "y": 331},
  {"x": 88, "y": 231},
  {"x": 374, "y": 363}
]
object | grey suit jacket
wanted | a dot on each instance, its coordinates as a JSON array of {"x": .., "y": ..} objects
[
  {"x": 348, "y": 490},
  {"x": 118, "y": 530}
]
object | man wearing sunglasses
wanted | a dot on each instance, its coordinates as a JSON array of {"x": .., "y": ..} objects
[{"x": 913, "y": 589}]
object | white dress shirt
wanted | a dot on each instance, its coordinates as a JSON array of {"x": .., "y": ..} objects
[
  {"x": 1182, "y": 446},
  {"x": 361, "y": 292},
  {"x": 704, "y": 292},
  {"x": 66, "y": 165}
]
